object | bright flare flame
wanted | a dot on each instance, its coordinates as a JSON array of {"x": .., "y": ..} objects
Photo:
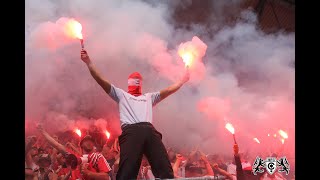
[
  {"x": 187, "y": 57},
  {"x": 230, "y": 128},
  {"x": 274, "y": 135},
  {"x": 282, "y": 141},
  {"x": 73, "y": 29},
  {"x": 192, "y": 51},
  {"x": 107, "y": 134},
  {"x": 268, "y": 134},
  {"x": 257, "y": 140},
  {"x": 283, "y": 134},
  {"x": 77, "y": 131}
]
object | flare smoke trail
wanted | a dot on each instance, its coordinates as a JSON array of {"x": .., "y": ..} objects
[{"x": 248, "y": 79}]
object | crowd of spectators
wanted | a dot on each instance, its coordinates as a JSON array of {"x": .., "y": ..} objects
[{"x": 92, "y": 156}]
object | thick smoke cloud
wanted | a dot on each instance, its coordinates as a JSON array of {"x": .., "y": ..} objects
[{"x": 248, "y": 80}]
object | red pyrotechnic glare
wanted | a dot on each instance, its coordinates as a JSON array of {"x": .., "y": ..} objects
[
  {"x": 274, "y": 135},
  {"x": 77, "y": 131},
  {"x": 231, "y": 129},
  {"x": 283, "y": 134},
  {"x": 257, "y": 140},
  {"x": 107, "y": 134},
  {"x": 282, "y": 141},
  {"x": 268, "y": 135},
  {"x": 73, "y": 29}
]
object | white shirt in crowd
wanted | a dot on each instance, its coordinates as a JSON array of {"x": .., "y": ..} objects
[{"x": 134, "y": 109}]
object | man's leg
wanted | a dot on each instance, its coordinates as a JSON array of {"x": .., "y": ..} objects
[
  {"x": 157, "y": 156},
  {"x": 131, "y": 143}
]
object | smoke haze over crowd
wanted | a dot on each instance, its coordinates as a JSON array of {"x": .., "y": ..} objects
[{"x": 248, "y": 76}]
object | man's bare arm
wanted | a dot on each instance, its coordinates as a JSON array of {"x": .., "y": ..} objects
[
  {"x": 207, "y": 164},
  {"x": 94, "y": 72},
  {"x": 51, "y": 140},
  {"x": 173, "y": 88},
  {"x": 223, "y": 172},
  {"x": 73, "y": 148}
]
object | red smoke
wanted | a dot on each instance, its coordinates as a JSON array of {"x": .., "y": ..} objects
[
  {"x": 192, "y": 53},
  {"x": 214, "y": 108}
]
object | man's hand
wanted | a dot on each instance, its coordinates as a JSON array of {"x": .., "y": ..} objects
[
  {"x": 215, "y": 166},
  {"x": 235, "y": 149},
  {"x": 85, "y": 57},
  {"x": 186, "y": 77},
  {"x": 179, "y": 157},
  {"x": 40, "y": 128},
  {"x": 204, "y": 158}
]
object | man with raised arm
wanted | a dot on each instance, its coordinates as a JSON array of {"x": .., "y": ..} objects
[{"x": 138, "y": 134}]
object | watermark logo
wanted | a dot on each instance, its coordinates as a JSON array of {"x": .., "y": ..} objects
[
  {"x": 271, "y": 164},
  {"x": 258, "y": 166},
  {"x": 284, "y": 164}
]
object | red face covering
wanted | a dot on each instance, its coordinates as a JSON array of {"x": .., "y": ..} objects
[{"x": 134, "y": 84}]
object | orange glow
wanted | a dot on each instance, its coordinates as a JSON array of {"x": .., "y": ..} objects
[
  {"x": 73, "y": 29},
  {"x": 274, "y": 135},
  {"x": 230, "y": 128},
  {"x": 107, "y": 134},
  {"x": 77, "y": 131}
]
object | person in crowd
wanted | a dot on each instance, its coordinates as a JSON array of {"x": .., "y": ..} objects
[
  {"x": 44, "y": 166},
  {"x": 197, "y": 165},
  {"x": 96, "y": 166},
  {"x": 178, "y": 167},
  {"x": 145, "y": 172},
  {"x": 93, "y": 165}
]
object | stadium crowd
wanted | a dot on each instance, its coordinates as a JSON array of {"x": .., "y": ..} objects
[{"x": 91, "y": 155}]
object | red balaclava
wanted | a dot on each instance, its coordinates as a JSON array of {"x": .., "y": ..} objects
[{"x": 134, "y": 84}]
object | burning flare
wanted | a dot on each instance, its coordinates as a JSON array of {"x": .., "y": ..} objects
[
  {"x": 257, "y": 140},
  {"x": 73, "y": 29},
  {"x": 283, "y": 134},
  {"x": 192, "y": 50},
  {"x": 230, "y": 128},
  {"x": 282, "y": 141},
  {"x": 107, "y": 134},
  {"x": 77, "y": 131},
  {"x": 187, "y": 57}
]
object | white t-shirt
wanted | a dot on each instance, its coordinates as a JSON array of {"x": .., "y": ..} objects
[{"x": 134, "y": 109}]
